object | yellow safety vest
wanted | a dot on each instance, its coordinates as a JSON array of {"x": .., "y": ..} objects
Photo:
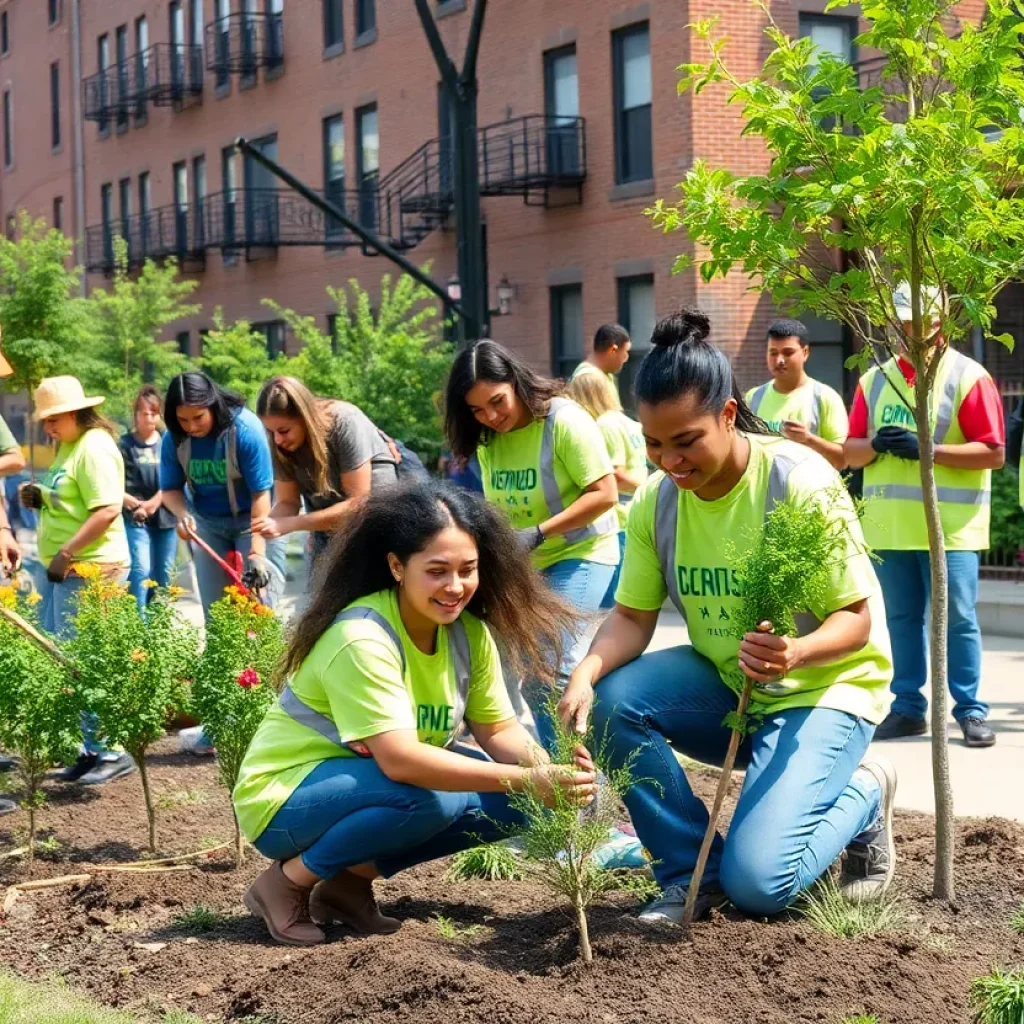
[{"x": 895, "y": 521}]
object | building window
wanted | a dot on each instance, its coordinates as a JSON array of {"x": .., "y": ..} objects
[
  {"x": 631, "y": 59},
  {"x": 102, "y": 64},
  {"x": 55, "y": 105},
  {"x": 566, "y": 328},
  {"x": 222, "y": 42},
  {"x": 124, "y": 202},
  {"x": 180, "y": 178},
  {"x": 53, "y": 10},
  {"x": 5, "y": 41},
  {"x": 199, "y": 194},
  {"x": 184, "y": 340},
  {"x": 334, "y": 172},
  {"x": 176, "y": 17},
  {"x": 367, "y": 164},
  {"x": 145, "y": 205},
  {"x": 58, "y": 213},
  {"x": 562, "y": 107},
  {"x": 106, "y": 219},
  {"x": 833, "y": 345},
  {"x": 141, "y": 66},
  {"x": 229, "y": 186},
  {"x": 274, "y": 332},
  {"x": 332, "y": 331},
  {"x": 248, "y": 41},
  {"x": 10, "y": 227},
  {"x": 333, "y": 33},
  {"x": 366, "y": 17},
  {"x": 8, "y": 131},
  {"x": 830, "y": 34},
  {"x": 121, "y": 56},
  {"x": 637, "y": 314}
]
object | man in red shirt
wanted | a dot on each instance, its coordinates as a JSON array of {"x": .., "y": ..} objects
[{"x": 970, "y": 437}]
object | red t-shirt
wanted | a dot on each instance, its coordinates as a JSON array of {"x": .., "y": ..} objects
[{"x": 980, "y": 416}]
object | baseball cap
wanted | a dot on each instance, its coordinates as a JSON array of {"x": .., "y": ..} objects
[{"x": 931, "y": 301}]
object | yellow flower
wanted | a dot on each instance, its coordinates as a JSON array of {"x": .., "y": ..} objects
[
  {"x": 176, "y": 591},
  {"x": 8, "y": 596},
  {"x": 139, "y": 655},
  {"x": 150, "y": 584},
  {"x": 87, "y": 570},
  {"x": 34, "y": 598}
]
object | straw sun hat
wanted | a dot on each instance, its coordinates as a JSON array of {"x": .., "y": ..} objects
[{"x": 58, "y": 395}]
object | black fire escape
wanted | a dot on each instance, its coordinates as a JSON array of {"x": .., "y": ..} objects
[{"x": 240, "y": 44}]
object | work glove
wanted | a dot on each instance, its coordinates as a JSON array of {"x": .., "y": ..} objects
[
  {"x": 30, "y": 496},
  {"x": 530, "y": 538},
  {"x": 59, "y": 567},
  {"x": 897, "y": 441},
  {"x": 257, "y": 576}
]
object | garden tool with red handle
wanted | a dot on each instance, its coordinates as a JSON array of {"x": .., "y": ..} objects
[{"x": 233, "y": 565}]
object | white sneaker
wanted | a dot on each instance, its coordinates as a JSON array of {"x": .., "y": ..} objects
[{"x": 194, "y": 741}]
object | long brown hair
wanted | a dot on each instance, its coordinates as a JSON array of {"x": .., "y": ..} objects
[
  {"x": 290, "y": 398},
  {"x": 92, "y": 419},
  {"x": 595, "y": 393},
  {"x": 527, "y": 619}
]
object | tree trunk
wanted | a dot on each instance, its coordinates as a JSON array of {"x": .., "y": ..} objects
[
  {"x": 942, "y": 883},
  {"x": 239, "y": 841},
  {"x": 584, "y": 930},
  {"x": 148, "y": 797},
  {"x": 31, "y": 859}
]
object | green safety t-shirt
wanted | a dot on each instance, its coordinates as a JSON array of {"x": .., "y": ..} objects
[
  {"x": 707, "y": 533},
  {"x": 800, "y": 406},
  {"x": 354, "y": 676},
  {"x": 510, "y": 465},
  {"x": 624, "y": 439},
  {"x": 84, "y": 476},
  {"x": 8, "y": 443},
  {"x": 586, "y": 367}
]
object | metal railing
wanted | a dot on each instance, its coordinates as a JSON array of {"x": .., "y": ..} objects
[
  {"x": 161, "y": 232},
  {"x": 242, "y": 42}
]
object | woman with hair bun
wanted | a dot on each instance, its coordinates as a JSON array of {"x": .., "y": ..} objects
[{"x": 811, "y": 791}]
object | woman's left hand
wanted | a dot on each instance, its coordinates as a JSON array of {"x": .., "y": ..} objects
[
  {"x": 767, "y": 658},
  {"x": 267, "y": 527}
]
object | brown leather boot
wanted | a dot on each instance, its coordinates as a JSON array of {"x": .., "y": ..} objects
[
  {"x": 284, "y": 907},
  {"x": 348, "y": 899}
]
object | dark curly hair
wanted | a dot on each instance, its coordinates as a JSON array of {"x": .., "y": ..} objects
[{"x": 527, "y": 619}]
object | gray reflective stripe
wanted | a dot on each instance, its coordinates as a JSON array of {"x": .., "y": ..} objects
[
  {"x": 818, "y": 393},
  {"x": 608, "y": 523},
  {"x": 947, "y": 402},
  {"x": 302, "y": 713},
  {"x": 912, "y": 492},
  {"x": 232, "y": 471},
  {"x": 757, "y": 398},
  {"x": 666, "y": 521},
  {"x": 878, "y": 382}
]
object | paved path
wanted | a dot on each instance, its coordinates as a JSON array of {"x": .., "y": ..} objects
[{"x": 985, "y": 782}]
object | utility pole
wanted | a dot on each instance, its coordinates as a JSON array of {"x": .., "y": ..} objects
[{"x": 462, "y": 90}]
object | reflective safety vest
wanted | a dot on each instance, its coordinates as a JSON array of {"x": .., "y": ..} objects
[
  {"x": 817, "y": 394},
  {"x": 895, "y": 520},
  {"x": 666, "y": 531},
  {"x": 608, "y": 523},
  {"x": 293, "y": 706}
]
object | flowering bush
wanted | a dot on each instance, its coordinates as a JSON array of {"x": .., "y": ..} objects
[
  {"x": 38, "y": 708},
  {"x": 132, "y": 669},
  {"x": 233, "y": 687}
]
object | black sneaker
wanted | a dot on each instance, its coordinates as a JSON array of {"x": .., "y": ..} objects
[
  {"x": 8, "y": 763},
  {"x": 668, "y": 907},
  {"x": 896, "y": 726},
  {"x": 84, "y": 765},
  {"x": 870, "y": 861},
  {"x": 108, "y": 771},
  {"x": 977, "y": 732}
]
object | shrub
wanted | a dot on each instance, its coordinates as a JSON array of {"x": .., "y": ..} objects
[
  {"x": 560, "y": 839},
  {"x": 38, "y": 710},
  {"x": 998, "y": 998},
  {"x": 232, "y": 689},
  {"x": 130, "y": 668},
  {"x": 495, "y": 862}
]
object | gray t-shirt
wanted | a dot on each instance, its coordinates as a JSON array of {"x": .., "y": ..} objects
[{"x": 352, "y": 440}]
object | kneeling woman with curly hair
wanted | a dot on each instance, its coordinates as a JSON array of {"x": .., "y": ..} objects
[{"x": 355, "y": 772}]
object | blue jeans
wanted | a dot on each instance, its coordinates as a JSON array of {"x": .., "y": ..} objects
[
  {"x": 582, "y": 584},
  {"x": 609, "y": 597},
  {"x": 800, "y": 805},
  {"x": 906, "y": 582},
  {"x": 226, "y": 534},
  {"x": 57, "y": 607},
  {"x": 348, "y": 812},
  {"x": 154, "y": 551}
]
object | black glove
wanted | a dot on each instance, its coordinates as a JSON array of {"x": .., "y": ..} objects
[
  {"x": 31, "y": 496},
  {"x": 897, "y": 441},
  {"x": 257, "y": 576},
  {"x": 530, "y": 538}
]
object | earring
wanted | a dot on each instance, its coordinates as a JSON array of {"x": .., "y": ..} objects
[{"x": 398, "y": 580}]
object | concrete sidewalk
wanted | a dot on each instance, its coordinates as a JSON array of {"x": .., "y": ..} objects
[{"x": 1001, "y": 608}]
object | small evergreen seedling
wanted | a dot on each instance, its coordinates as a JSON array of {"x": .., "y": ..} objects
[
  {"x": 998, "y": 998},
  {"x": 232, "y": 691},
  {"x": 786, "y": 569},
  {"x": 495, "y": 862},
  {"x": 38, "y": 712},
  {"x": 828, "y": 910},
  {"x": 560, "y": 840},
  {"x": 1017, "y": 920},
  {"x": 198, "y": 920},
  {"x": 130, "y": 668}
]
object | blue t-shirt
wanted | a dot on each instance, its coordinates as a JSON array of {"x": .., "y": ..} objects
[{"x": 208, "y": 467}]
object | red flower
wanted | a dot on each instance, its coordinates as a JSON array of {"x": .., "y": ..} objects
[{"x": 248, "y": 678}]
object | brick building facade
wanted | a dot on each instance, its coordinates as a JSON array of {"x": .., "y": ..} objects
[{"x": 119, "y": 116}]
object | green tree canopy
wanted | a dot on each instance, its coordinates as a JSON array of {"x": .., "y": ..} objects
[{"x": 235, "y": 356}]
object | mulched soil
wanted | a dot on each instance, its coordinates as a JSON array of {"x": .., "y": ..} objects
[{"x": 116, "y": 938}]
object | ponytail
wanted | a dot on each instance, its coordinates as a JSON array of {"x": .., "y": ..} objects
[{"x": 684, "y": 362}]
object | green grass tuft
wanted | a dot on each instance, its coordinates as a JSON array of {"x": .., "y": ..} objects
[
  {"x": 1017, "y": 920},
  {"x": 181, "y": 798},
  {"x": 453, "y": 932},
  {"x": 198, "y": 920},
  {"x": 998, "y": 998},
  {"x": 23, "y": 1002},
  {"x": 496, "y": 862},
  {"x": 861, "y": 1018},
  {"x": 828, "y": 910}
]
